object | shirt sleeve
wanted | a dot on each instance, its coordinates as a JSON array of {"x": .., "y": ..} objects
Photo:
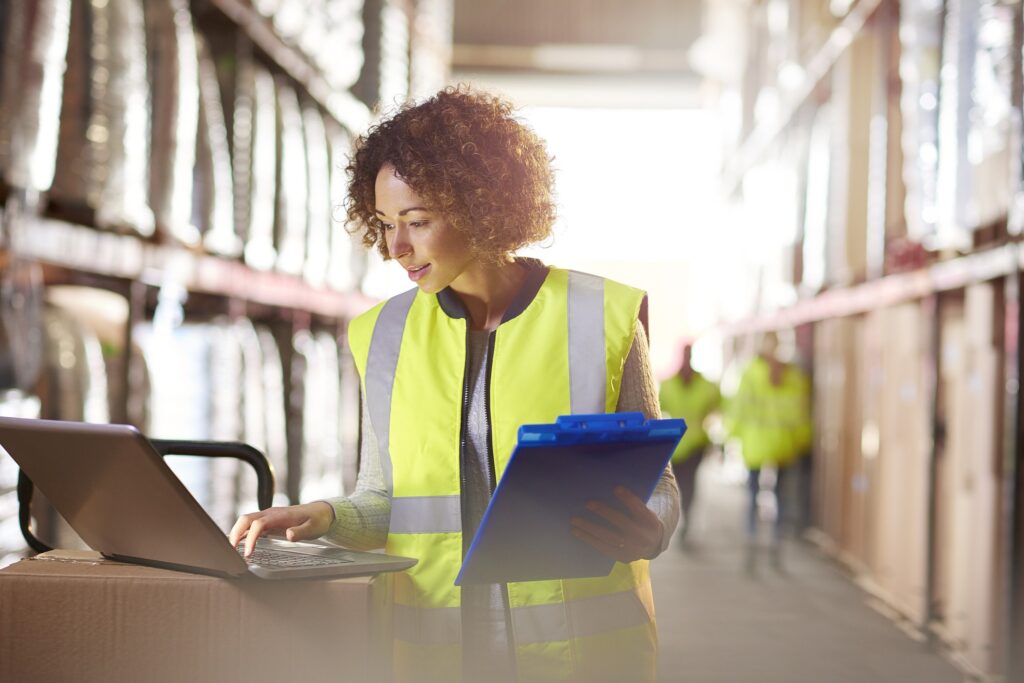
[
  {"x": 639, "y": 395},
  {"x": 361, "y": 520}
]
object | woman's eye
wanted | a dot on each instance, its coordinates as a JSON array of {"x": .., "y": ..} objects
[{"x": 417, "y": 224}]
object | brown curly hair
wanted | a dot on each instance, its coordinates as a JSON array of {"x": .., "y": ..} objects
[{"x": 466, "y": 155}]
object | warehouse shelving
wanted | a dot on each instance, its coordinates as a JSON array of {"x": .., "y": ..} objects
[
  {"x": 342, "y": 105},
  {"x": 861, "y": 308},
  {"x": 760, "y": 140},
  {"x": 56, "y": 243}
]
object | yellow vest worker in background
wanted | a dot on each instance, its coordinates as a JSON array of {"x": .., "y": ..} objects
[
  {"x": 485, "y": 342},
  {"x": 770, "y": 416},
  {"x": 691, "y": 396}
]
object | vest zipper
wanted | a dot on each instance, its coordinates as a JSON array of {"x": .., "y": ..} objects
[
  {"x": 492, "y": 477},
  {"x": 463, "y": 428}
]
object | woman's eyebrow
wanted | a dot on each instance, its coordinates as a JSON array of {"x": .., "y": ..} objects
[{"x": 404, "y": 211}]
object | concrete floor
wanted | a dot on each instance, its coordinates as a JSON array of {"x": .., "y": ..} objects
[{"x": 808, "y": 623}]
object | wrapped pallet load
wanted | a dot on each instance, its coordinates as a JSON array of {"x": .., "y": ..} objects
[
  {"x": 254, "y": 417},
  {"x": 340, "y": 56},
  {"x": 252, "y": 409},
  {"x": 318, "y": 230},
  {"x": 255, "y": 133},
  {"x": 35, "y": 40},
  {"x": 103, "y": 151},
  {"x": 347, "y": 261},
  {"x": 181, "y": 394},
  {"x": 21, "y": 325},
  {"x": 290, "y": 224},
  {"x": 174, "y": 74},
  {"x": 321, "y": 448},
  {"x": 275, "y": 416},
  {"x": 213, "y": 208},
  {"x": 226, "y": 383}
]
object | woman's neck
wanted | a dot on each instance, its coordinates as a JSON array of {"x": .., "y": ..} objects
[{"x": 488, "y": 290}]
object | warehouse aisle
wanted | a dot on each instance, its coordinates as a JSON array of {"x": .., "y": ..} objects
[{"x": 809, "y": 624}]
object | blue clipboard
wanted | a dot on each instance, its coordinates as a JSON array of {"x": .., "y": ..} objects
[{"x": 555, "y": 469}]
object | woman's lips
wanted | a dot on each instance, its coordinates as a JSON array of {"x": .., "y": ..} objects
[{"x": 416, "y": 274}]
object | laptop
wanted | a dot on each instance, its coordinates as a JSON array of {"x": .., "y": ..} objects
[{"x": 119, "y": 495}]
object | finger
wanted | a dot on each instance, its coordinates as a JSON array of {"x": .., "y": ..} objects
[
  {"x": 301, "y": 532},
  {"x": 642, "y": 515},
  {"x": 239, "y": 529},
  {"x": 643, "y": 535},
  {"x": 255, "y": 531},
  {"x": 616, "y": 551},
  {"x": 614, "y": 517},
  {"x": 609, "y": 536},
  {"x": 633, "y": 503}
]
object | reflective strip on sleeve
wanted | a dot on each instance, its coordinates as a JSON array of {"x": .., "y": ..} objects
[
  {"x": 380, "y": 372},
  {"x": 428, "y": 625},
  {"x": 426, "y": 515},
  {"x": 588, "y": 617},
  {"x": 587, "y": 369}
]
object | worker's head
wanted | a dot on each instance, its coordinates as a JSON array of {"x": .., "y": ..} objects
[
  {"x": 768, "y": 345},
  {"x": 462, "y": 160}
]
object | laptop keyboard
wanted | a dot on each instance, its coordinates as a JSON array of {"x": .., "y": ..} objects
[{"x": 265, "y": 557}]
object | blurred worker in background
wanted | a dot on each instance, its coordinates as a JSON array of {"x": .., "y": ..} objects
[
  {"x": 691, "y": 396},
  {"x": 771, "y": 419}
]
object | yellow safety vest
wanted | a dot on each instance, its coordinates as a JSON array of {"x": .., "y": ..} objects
[
  {"x": 564, "y": 353},
  {"x": 771, "y": 422},
  {"x": 693, "y": 401}
]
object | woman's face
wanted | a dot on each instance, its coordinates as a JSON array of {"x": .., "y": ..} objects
[{"x": 433, "y": 254}]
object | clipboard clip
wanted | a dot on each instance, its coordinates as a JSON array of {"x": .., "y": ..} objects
[
  {"x": 601, "y": 422},
  {"x": 576, "y": 429}
]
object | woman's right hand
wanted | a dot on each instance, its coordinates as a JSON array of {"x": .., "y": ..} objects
[{"x": 299, "y": 523}]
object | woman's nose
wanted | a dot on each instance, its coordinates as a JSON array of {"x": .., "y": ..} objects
[{"x": 399, "y": 245}]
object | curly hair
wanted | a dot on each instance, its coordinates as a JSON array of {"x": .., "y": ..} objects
[{"x": 470, "y": 160}]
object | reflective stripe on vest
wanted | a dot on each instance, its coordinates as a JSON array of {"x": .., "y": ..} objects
[
  {"x": 587, "y": 370},
  {"x": 426, "y": 515},
  {"x": 380, "y": 372}
]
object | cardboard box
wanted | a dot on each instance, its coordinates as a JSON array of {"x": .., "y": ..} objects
[
  {"x": 900, "y": 546},
  {"x": 74, "y": 616}
]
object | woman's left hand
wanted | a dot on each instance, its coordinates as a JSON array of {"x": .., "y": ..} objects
[{"x": 626, "y": 536}]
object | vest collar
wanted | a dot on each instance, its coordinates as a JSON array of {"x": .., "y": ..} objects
[{"x": 536, "y": 273}]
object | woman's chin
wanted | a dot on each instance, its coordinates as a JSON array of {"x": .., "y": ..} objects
[{"x": 428, "y": 287}]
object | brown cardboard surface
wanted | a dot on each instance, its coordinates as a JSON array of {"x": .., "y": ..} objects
[
  {"x": 77, "y": 617},
  {"x": 903, "y": 462},
  {"x": 854, "y": 480}
]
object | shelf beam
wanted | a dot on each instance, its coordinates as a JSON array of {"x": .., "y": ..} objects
[
  {"x": 887, "y": 291},
  {"x": 83, "y": 249}
]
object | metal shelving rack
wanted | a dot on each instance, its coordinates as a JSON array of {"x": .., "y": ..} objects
[
  {"x": 1001, "y": 265},
  {"x": 138, "y": 267}
]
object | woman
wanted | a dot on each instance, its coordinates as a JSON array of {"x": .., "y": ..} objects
[{"x": 485, "y": 342}]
